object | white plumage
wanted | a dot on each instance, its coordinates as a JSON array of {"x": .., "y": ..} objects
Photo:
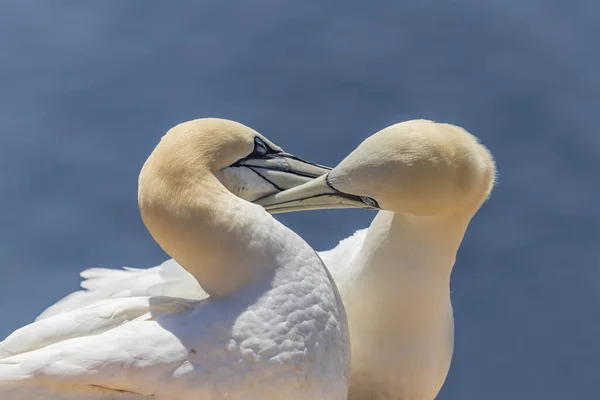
[
  {"x": 273, "y": 326},
  {"x": 394, "y": 276}
]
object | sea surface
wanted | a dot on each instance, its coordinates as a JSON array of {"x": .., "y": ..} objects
[{"x": 88, "y": 88}]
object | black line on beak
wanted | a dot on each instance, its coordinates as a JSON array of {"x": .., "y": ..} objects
[
  {"x": 264, "y": 177},
  {"x": 369, "y": 201}
]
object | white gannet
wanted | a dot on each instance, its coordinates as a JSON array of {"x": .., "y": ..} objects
[
  {"x": 429, "y": 179},
  {"x": 273, "y": 325},
  {"x": 394, "y": 276}
]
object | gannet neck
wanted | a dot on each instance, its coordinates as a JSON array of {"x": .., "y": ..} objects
[
  {"x": 224, "y": 242},
  {"x": 399, "y": 308},
  {"x": 407, "y": 260}
]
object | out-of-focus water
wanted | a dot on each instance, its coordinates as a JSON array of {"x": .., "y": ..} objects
[{"x": 88, "y": 88}]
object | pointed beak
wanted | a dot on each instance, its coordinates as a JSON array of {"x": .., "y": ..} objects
[
  {"x": 314, "y": 195},
  {"x": 284, "y": 170}
]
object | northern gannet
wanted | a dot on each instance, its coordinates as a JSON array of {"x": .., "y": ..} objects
[
  {"x": 394, "y": 276},
  {"x": 272, "y": 327},
  {"x": 429, "y": 179}
]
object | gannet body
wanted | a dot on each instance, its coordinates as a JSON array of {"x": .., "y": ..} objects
[
  {"x": 430, "y": 179},
  {"x": 271, "y": 324}
]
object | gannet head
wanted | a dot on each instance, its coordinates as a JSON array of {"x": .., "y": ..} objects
[
  {"x": 416, "y": 167},
  {"x": 187, "y": 187},
  {"x": 243, "y": 161}
]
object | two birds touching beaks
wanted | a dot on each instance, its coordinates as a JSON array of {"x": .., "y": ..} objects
[{"x": 246, "y": 309}]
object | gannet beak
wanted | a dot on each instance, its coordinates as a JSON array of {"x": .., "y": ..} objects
[
  {"x": 314, "y": 195},
  {"x": 284, "y": 170}
]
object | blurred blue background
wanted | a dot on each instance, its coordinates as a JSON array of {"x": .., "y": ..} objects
[{"x": 88, "y": 88}]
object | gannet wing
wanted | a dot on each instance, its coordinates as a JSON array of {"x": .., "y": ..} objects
[
  {"x": 113, "y": 345},
  {"x": 88, "y": 321},
  {"x": 167, "y": 279}
]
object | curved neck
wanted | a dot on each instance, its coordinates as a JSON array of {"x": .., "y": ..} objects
[
  {"x": 399, "y": 308},
  {"x": 415, "y": 245},
  {"x": 408, "y": 261},
  {"x": 225, "y": 242}
]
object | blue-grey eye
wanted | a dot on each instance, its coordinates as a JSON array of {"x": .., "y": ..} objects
[{"x": 260, "y": 148}]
